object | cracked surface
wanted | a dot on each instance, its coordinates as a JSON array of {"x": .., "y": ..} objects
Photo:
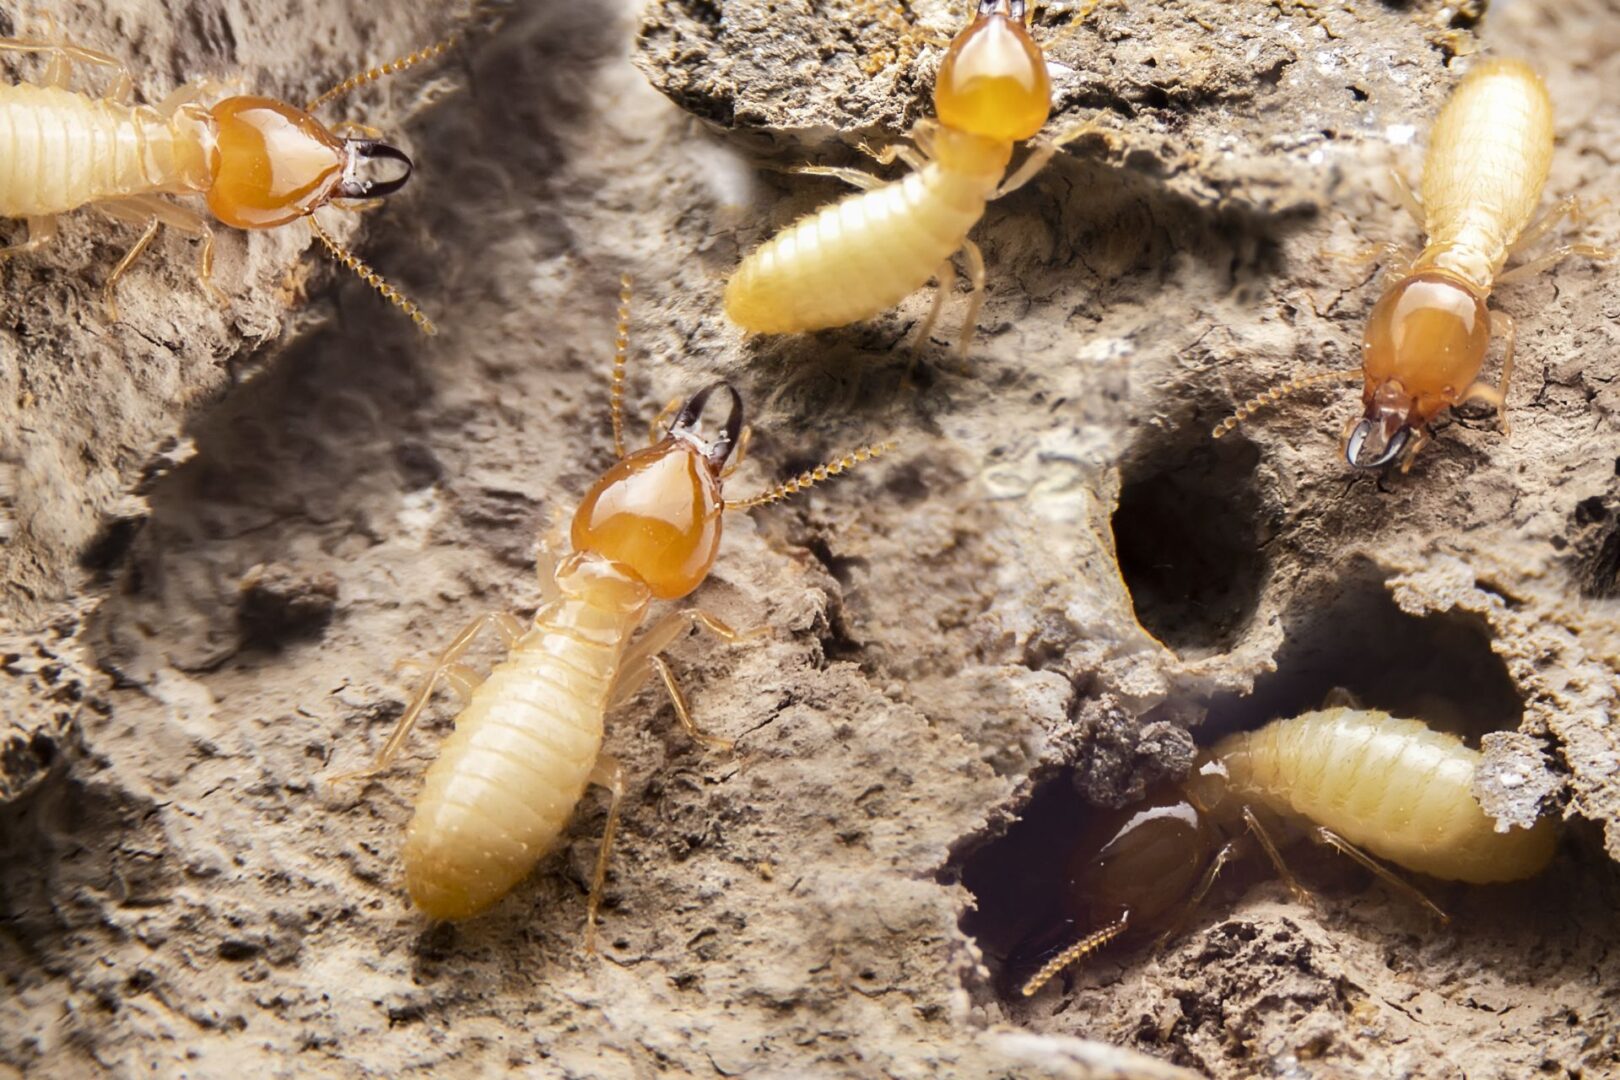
[{"x": 951, "y": 628}]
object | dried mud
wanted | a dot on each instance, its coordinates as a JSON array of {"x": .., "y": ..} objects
[{"x": 1036, "y": 605}]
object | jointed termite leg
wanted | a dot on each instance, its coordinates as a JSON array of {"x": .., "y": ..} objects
[
  {"x": 683, "y": 712},
  {"x": 660, "y": 423},
  {"x": 59, "y": 72},
  {"x": 853, "y": 177},
  {"x": 1409, "y": 199},
  {"x": 1075, "y": 953},
  {"x": 1226, "y": 854},
  {"x": 1345, "y": 847},
  {"x": 1042, "y": 151},
  {"x": 1552, "y": 258},
  {"x": 1502, "y": 325},
  {"x": 944, "y": 284},
  {"x": 510, "y": 627},
  {"x": 41, "y": 231},
  {"x": 642, "y": 658},
  {"x": 1569, "y": 206},
  {"x": 970, "y": 321},
  {"x": 151, "y": 211},
  {"x": 607, "y": 773},
  {"x": 108, "y": 298},
  {"x": 914, "y": 156},
  {"x": 1300, "y": 892},
  {"x": 461, "y": 679}
]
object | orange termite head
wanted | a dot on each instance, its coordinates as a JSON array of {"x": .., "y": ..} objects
[
  {"x": 1424, "y": 345},
  {"x": 993, "y": 81},
  {"x": 275, "y": 163},
  {"x": 657, "y": 512}
]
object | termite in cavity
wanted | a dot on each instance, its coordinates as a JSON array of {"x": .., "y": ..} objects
[
  {"x": 860, "y": 256},
  {"x": 1361, "y": 781},
  {"x": 259, "y": 163},
  {"x": 529, "y": 736},
  {"x": 1427, "y": 337}
]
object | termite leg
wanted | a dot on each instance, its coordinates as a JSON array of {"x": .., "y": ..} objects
[
  {"x": 606, "y": 773},
  {"x": 660, "y": 423},
  {"x": 461, "y": 679},
  {"x": 1408, "y": 199},
  {"x": 1226, "y": 854},
  {"x": 1569, "y": 206},
  {"x": 108, "y": 298},
  {"x": 944, "y": 284},
  {"x": 63, "y": 55},
  {"x": 970, "y": 321},
  {"x": 510, "y": 627},
  {"x": 1419, "y": 439},
  {"x": 150, "y": 211},
  {"x": 1345, "y": 847},
  {"x": 683, "y": 712},
  {"x": 1300, "y": 892},
  {"x": 1552, "y": 258},
  {"x": 911, "y": 155},
  {"x": 41, "y": 231},
  {"x": 853, "y": 177},
  {"x": 1042, "y": 151},
  {"x": 1501, "y": 324}
]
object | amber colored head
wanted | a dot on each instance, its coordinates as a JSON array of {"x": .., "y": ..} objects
[
  {"x": 276, "y": 164},
  {"x": 1424, "y": 346},
  {"x": 993, "y": 79},
  {"x": 657, "y": 511}
]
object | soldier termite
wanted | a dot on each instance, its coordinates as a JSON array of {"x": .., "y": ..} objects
[
  {"x": 1426, "y": 339},
  {"x": 861, "y": 255},
  {"x": 528, "y": 739},
  {"x": 1357, "y": 780},
  {"x": 260, "y": 163}
]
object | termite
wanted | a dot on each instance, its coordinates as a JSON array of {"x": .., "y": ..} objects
[
  {"x": 1425, "y": 342},
  {"x": 259, "y": 163},
  {"x": 529, "y": 736},
  {"x": 1360, "y": 781},
  {"x": 862, "y": 255}
]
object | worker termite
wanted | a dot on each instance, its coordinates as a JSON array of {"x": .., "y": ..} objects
[
  {"x": 1426, "y": 339},
  {"x": 861, "y": 255},
  {"x": 528, "y": 739},
  {"x": 259, "y": 163},
  {"x": 1358, "y": 781}
]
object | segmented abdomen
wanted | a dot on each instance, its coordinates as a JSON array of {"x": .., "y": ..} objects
[
  {"x": 858, "y": 256},
  {"x": 1392, "y": 787},
  {"x": 1488, "y": 158},
  {"x": 60, "y": 150},
  {"x": 506, "y": 781}
]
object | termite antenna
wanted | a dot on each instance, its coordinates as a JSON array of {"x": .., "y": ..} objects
[
  {"x": 1277, "y": 393},
  {"x": 393, "y": 67},
  {"x": 621, "y": 350},
  {"x": 372, "y": 278},
  {"x": 813, "y": 476},
  {"x": 1076, "y": 952}
]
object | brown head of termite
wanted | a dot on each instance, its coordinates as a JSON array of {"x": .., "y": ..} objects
[
  {"x": 1360, "y": 781},
  {"x": 862, "y": 255},
  {"x": 259, "y": 163},
  {"x": 1427, "y": 337},
  {"x": 528, "y": 739}
]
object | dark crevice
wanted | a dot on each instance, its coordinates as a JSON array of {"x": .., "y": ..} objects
[{"x": 1188, "y": 536}]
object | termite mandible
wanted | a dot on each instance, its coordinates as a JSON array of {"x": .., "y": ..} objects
[
  {"x": 862, "y": 255},
  {"x": 1425, "y": 342},
  {"x": 260, "y": 163},
  {"x": 1360, "y": 781},
  {"x": 528, "y": 738}
]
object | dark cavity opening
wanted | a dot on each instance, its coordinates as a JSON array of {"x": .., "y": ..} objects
[
  {"x": 1351, "y": 635},
  {"x": 1187, "y": 534}
]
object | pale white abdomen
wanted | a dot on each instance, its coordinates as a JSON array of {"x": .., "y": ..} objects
[
  {"x": 1392, "y": 787},
  {"x": 858, "y": 256},
  {"x": 508, "y": 778},
  {"x": 60, "y": 150},
  {"x": 1488, "y": 159}
]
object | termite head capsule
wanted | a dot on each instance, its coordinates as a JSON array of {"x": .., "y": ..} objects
[
  {"x": 657, "y": 511},
  {"x": 275, "y": 163},
  {"x": 993, "y": 81},
  {"x": 1424, "y": 345}
]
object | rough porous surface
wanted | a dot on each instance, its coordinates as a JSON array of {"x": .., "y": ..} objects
[{"x": 1034, "y": 607}]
